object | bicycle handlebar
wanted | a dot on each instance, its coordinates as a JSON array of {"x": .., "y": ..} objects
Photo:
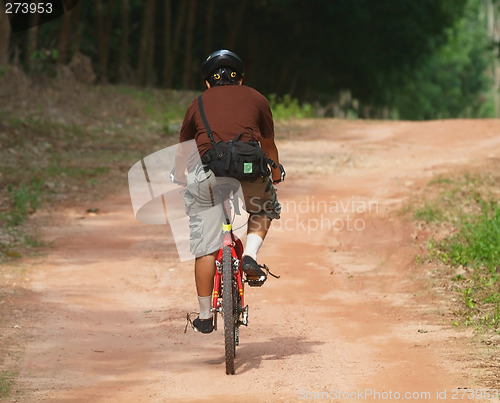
[{"x": 283, "y": 174}]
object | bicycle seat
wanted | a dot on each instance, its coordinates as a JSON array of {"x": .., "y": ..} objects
[{"x": 226, "y": 186}]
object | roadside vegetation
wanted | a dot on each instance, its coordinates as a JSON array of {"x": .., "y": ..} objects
[
  {"x": 6, "y": 382},
  {"x": 462, "y": 212},
  {"x": 286, "y": 107},
  {"x": 69, "y": 142}
]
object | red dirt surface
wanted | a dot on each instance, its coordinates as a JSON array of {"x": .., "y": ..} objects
[{"x": 352, "y": 313}]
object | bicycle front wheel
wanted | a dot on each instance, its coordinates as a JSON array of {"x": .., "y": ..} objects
[{"x": 229, "y": 309}]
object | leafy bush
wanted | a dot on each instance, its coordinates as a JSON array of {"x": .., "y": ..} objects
[
  {"x": 289, "y": 108},
  {"x": 24, "y": 200}
]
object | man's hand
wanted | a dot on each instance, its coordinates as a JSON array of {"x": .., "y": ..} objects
[
  {"x": 178, "y": 177},
  {"x": 271, "y": 151},
  {"x": 283, "y": 174}
]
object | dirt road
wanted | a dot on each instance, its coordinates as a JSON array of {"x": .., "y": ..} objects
[{"x": 351, "y": 316}]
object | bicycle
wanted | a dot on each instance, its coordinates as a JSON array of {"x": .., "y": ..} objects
[
  {"x": 229, "y": 266},
  {"x": 154, "y": 202}
]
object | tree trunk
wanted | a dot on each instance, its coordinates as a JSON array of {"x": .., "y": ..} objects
[
  {"x": 150, "y": 60},
  {"x": 75, "y": 34},
  {"x": 4, "y": 37},
  {"x": 188, "y": 49},
  {"x": 104, "y": 25},
  {"x": 147, "y": 27},
  {"x": 494, "y": 33},
  {"x": 31, "y": 43},
  {"x": 64, "y": 39},
  {"x": 235, "y": 22},
  {"x": 181, "y": 15},
  {"x": 100, "y": 33},
  {"x": 167, "y": 40},
  {"x": 124, "y": 46},
  {"x": 209, "y": 37}
]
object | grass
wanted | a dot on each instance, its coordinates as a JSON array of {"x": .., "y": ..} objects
[
  {"x": 6, "y": 382},
  {"x": 477, "y": 247},
  {"x": 469, "y": 206},
  {"x": 478, "y": 242},
  {"x": 430, "y": 212},
  {"x": 24, "y": 200}
]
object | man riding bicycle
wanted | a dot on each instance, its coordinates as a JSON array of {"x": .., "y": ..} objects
[{"x": 231, "y": 108}]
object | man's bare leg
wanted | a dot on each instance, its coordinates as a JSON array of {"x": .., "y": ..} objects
[
  {"x": 258, "y": 226},
  {"x": 204, "y": 271}
]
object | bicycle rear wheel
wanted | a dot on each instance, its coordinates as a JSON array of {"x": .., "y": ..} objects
[{"x": 229, "y": 309}]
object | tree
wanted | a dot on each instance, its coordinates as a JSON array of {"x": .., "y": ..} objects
[
  {"x": 123, "y": 62},
  {"x": 104, "y": 26},
  {"x": 171, "y": 49},
  {"x": 75, "y": 34},
  {"x": 234, "y": 22},
  {"x": 145, "y": 45},
  {"x": 64, "y": 38},
  {"x": 493, "y": 23},
  {"x": 31, "y": 43},
  {"x": 187, "y": 80},
  {"x": 4, "y": 38},
  {"x": 451, "y": 83},
  {"x": 209, "y": 18}
]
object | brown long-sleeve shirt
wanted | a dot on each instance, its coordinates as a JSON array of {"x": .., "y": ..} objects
[{"x": 230, "y": 110}]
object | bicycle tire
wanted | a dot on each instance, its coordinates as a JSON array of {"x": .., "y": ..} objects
[{"x": 228, "y": 306}]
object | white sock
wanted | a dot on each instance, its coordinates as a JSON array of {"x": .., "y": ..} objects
[
  {"x": 254, "y": 242},
  {"x": 205, "y": 306}
]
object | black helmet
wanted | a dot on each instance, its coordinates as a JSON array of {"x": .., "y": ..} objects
[{"x": 222, "y": 58}]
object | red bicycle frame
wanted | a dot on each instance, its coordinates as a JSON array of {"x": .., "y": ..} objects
[{"x": 236, "y": 246}]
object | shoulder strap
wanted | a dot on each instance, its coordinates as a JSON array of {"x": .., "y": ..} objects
[
  {"x": 205, "y": 121},
  {"x": 251, "y": 132}
]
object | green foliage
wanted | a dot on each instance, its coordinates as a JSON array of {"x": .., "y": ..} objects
[
  {"x": 6, "y": 382},
  {"x": 478, "y": 242},
  {"x": 454, "y": 80},
  {"x": 430, "y": 212},
  {"x": 24, "y": 200},
  {"x": 473, "y": 247},
  {"x": 91, "y": 140},
  {"x": 368, "y": 47},
  {"x": 287, "y": 107},
  {"x": 168, "y": 116},
  {"x": 60, "y": 168},
  {"x": 34, "y": 242},
  {"x": 44, "y": 60}
]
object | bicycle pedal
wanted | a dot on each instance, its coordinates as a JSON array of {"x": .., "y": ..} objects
[{"x": 256, "y": 281}]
